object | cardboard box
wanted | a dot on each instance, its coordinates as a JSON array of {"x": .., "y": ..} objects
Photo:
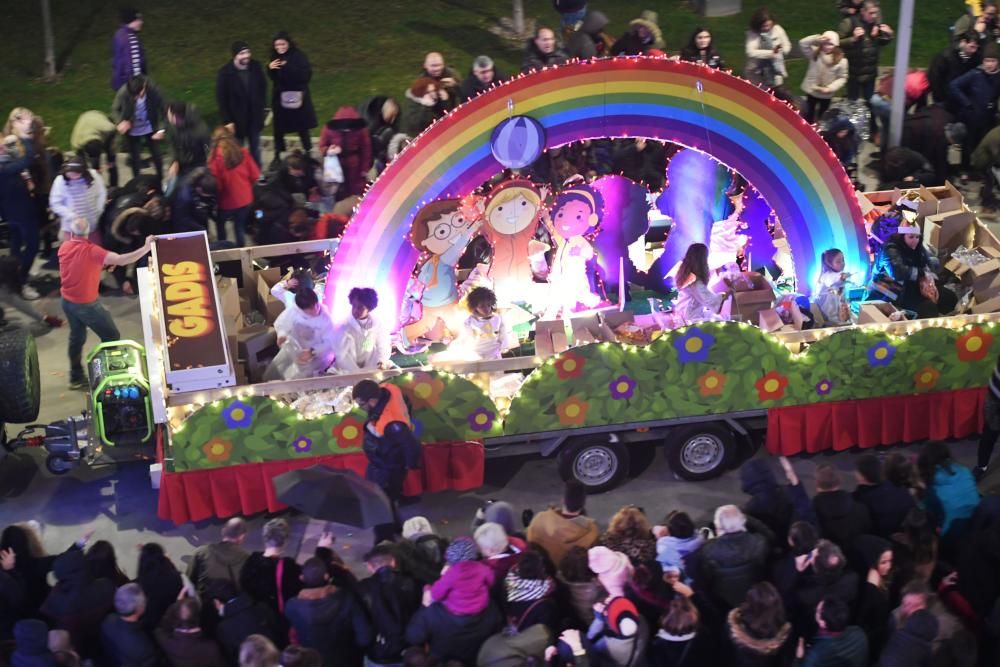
[
  {"x": 747, "y": 303},
  {"x": 256, "y": 344},
  {"x": 957, "y": 228},
  {"x": 550, "y": 338},
  {"x": 770, "y": 320},
  {"x": 875, "y": 312},
  {"x": 267, "y": 304},
  {"x": 988, "y": 306},
  {"x": 931, "y": 234},
  {"x": 947, "y": 197},
  {"x": 984, "y": 291},
  {"x": 229, "y": 297}
]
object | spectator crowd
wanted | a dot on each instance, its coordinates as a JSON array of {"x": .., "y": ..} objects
[{"x": 901, "y": 571}]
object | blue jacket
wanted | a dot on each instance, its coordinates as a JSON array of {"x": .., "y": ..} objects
[
  {"x": 952, "y": 496},
  {"x": 121, "y": 58},
  {"x": 15, "y": 200},
  {"x": 975, "y": 96}
]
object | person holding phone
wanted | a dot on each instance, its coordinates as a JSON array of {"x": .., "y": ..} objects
[
  {"x": 138, "y": 113},
  {"x": 291, "y": 102}
]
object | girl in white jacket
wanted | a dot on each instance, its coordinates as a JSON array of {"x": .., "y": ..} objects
[
  {"x": 826, "y": 75},
  {"x": 77, "y": 192}
]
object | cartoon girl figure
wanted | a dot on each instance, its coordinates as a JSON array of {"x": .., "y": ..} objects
[
  {"x": 513, "y": 211},
  {"x": 573, "y": 221},
  {"x": 441, "y": 230}
]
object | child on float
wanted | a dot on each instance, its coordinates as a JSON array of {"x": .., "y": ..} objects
[
  {"x": 486, "y": 329},
  {"x": 833, "y": 279},
  {"x": 695, "y": 301},
  {"x": 362, "y": 342},
  {"x": 303, "y": 330},
  {"x": 284, "y": 290}
]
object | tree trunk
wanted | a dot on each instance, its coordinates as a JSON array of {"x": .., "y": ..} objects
[
  {"x": 50, "y": 48},
  {"x": 518, "y": 17}
]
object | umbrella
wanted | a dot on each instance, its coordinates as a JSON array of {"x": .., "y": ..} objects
[{"x": 339, "y": 496}]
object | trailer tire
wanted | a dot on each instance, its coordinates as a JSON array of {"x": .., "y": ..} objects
[
  {"x": 700, "y": 451},
  {"x": 20, "y": 398},
  {"x": 597, "y": 463}
]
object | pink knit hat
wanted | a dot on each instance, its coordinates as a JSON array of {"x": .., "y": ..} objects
[{"x": 611, "y": 567}]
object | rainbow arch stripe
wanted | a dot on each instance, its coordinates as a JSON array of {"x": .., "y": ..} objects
[{"x": 737, "y": 123}]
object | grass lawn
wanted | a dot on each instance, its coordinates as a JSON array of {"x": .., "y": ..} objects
[{"x": 357, "y": 48}]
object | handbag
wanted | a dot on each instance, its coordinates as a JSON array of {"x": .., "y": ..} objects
[{"x": 291, "y": 99}]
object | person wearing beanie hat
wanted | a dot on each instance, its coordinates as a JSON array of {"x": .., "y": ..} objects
[
  {"x": 128, "y": 57},
  {"x": 912, "y": 272},
  {"x": 416, "y": 526},
  {"x": 241, "y": 94},
  {"x": 464, "y": 586},
  {"x": 826, "y": 75},
  {"x": 31, "y": 639},
  {"x": 558, "y": 530},
  {"x": 77, "y": 193},
  {"x": 80, "y": 265},
  {"x": 618, "y": 631}
]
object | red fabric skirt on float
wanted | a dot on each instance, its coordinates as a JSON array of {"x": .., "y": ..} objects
[
  {"x": 246, "y": 489},
  {"x": 886, "y": 420}
]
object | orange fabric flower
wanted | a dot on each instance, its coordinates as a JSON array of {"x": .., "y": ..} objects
[
  {"x": 572, "y": 411},
  {"x": 973, "y": 346},
  {"x": 349, "y": 433},
  {"x": 711, "y": 383},
  {"x": 424, "y": 390},
  {"x": 926, "y": 378},
  {"x": 217, "y": 450},
  {"x": 569, "y": 365},
  {"x": 771, "y": 387}
]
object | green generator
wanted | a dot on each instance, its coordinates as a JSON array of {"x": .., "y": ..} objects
[{"x": 121, "y": 412}]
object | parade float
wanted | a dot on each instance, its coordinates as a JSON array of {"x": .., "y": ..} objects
[{"x": 601, "y": 365}]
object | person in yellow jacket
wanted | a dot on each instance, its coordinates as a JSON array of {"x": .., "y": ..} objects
[{"x": 390, "y": 445}]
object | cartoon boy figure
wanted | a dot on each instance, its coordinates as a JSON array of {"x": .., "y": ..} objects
[{"x": 441, "y": 230}]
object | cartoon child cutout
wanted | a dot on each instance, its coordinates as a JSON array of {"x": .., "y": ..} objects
[
  {"x": 576, "y": 215},
  {"x": 441, "y": 230},
  {"x": 513, "y": 211}
]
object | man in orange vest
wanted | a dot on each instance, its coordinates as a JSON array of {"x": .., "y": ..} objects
[{"x": 389, "y": 444}]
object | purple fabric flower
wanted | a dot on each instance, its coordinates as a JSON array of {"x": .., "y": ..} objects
[
  {"x": 237, "y": 415},
  {"x": 621, "y": 387},
  {"x": 694, "y": 346},
  {"x": 302, "y": 444},
  {"x": 881, "y": 354},
  {"x": 824, "y": 387},
  {"x": 481, "y": 420}
]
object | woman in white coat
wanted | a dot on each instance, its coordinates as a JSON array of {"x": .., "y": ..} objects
[
  {"x": 767, "y": 45},
  {"x": 827, "y": 73},
  {"x": 77, "y": 192}
]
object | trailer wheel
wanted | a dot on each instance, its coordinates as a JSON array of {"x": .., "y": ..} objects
[
  {"x": 701, "y": 451},
  {"x": 20, "y": 398},
  {"x": 597, "y": 463},
  {"x": 58, "y": 464}
]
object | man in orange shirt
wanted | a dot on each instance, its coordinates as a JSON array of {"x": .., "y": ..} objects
[{"x": 80, "y": 266}]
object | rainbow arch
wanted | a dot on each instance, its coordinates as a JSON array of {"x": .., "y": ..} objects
[{"x": 737, "y": 123}]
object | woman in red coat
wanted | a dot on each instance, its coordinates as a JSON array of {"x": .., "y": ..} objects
[
  {"x": 235, "y": 173},
  {"x": 346, "y": 136}
]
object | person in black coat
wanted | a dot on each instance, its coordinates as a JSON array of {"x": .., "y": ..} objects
[
  {"x": 31, "y": 564},
  {"x": 701, "y": 49},
  {"x": 125, "y": 642},
  {"x": 12, "y": 595},
  {"x": 542, "y": 50},
  {"x": 841, "y": 518},
  {"x": 975, "y": 94},
  {"x": 160, "y": 581},
  {"x": 483, "y": 76},
  {"x": 271, "y": 577},
  {"x": 826, "y": 573},
  {"x": 887, "y": 503},
  {"x": 726, "y": 567},
  {"x": 79, "y": 602},
  {"x": 931, "y": 131},
  {"x": 241, "y": 93},
  {"x": 681, "y": 640},
  {"x": 392, "y": 598},
  {"x": 912, "y": 645},
  {"x": 188, "y": 137},
  {"x": 950, "y": 64},
  {"x": 329, "y": 619},
  {"x": 291, "y": 102},
  {"x": 240, "y": 616},
  {"x": 17, "y": 207},
  {"x": 137, "y": 126},
  {"x": 873, "y": 598},
  {"x": 451, "y": 637},
  {"x": 31, "y": 641},
  {"x": 768, "y": 502}
]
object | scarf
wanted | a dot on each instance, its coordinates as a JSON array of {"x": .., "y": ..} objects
[{"x": 527, "y": 590}]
